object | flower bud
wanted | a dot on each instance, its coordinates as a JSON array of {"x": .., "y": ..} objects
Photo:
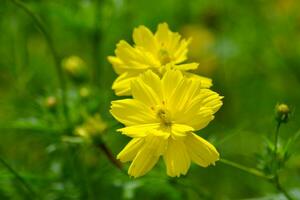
[
  {"x": 84, "y": 92},
  {"x": 51, "y": 102},
  {"x": 76, "y": 68},
  {"x": 282, "y": 112}
]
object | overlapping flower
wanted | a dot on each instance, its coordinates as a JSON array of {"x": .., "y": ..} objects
[
  {"x": 159, "y": 52},
  {"x": 167, "y": 105}
]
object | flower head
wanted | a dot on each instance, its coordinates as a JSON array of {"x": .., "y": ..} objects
[
  {"x": 51, "y": 102},
  {"x": 92, "y": 128},
  {"x": 76, "y": 68},
  {"x": 161, "y": 119},
  {"x": 282, "y": 112},
  {"x": 158, "y": 52}
]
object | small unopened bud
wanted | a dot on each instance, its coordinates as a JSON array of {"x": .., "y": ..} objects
[
  {"x": 282, "y": 112},
  {"x": 81, "y": 131},
  {"x": 51, "y": 102},
  {"x": 76, "y": 68},
  {"x": 84, "y": 92}
]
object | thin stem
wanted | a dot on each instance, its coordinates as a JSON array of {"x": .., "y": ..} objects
[
  {"x": 18, "y": 177},
  {"x": 109, "y": 155},
  {"x": 280, "y": 188},
  {"x": 249, "y": 170},
  {"x": 276, "y": 181},
  {"x": 276, "y": 140},
  {"x": 61, "y": 78},
  {"x": 101, "y": 145}
]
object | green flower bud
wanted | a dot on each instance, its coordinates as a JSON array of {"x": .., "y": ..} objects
[
  {"x": 51, "y": 102},
  {"x": 282, "y": 112},
  {"x": 75, "y": 68},
  {"x": 84, "y": 92}
]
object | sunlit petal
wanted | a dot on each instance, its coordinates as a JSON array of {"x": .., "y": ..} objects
[
  {"x": 130, "y": 150},
  {"x": 201, "y": 152},
  {"x": 176, "y": 158},
  {"x": 148, "y": 156}
]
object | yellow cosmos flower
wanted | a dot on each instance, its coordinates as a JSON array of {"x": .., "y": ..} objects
[
  {"x": 161, "y": 119},
  {"x": 158, "y": 52}
]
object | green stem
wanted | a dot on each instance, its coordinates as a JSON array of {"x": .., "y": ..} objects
[
  {"x": 110, "y": 155},
  {"x": 276, "y": 181},
  {"x": 18, "y": 177},
  {"x": 249, "y": 170},
  {"x": 61, "y": 78},
  {"x": 280, "y": 188},
  {"x": 276, "y": 140}
]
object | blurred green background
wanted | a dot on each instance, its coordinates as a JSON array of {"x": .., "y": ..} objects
[{"x": 251, "y": 50}]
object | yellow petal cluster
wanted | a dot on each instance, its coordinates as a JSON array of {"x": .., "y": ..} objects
[
  {"x": 159, "y": 51},
  {"x": 161, "y": 118},
  {"x": 168, "y": 104}
]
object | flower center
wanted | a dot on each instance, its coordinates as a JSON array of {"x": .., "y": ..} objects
[
  {"x": 164, "y": 117},
  {"x": 164, "y": 56}
]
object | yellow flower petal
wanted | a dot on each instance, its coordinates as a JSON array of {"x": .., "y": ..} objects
[
  {"x": 180, "y": 130},
  {"x": 200, "y": 109},
  {"x": 139, "y": 130},
  {"x": 201, "y": 151},
  {"x": 134, "y": 58},
  {"x": 212, "y": 102},
  {"x": 170, "y": 81},
  {"x": 143, "y": 37},
  {"x": 148, "y": 156},
  {"x": 121, "y": 85},
  {"x": 205, "y": 82},
  {"x": 147, "y": 89},
  {"x": 181, "y": 51},
  {"x": 183, "y": 94},
  {"x": 162, "y": 132},
  {"x": 117, "y": 64},
  {"x": 132, "y": 112},
  {"x": 199, "y": 120},
  {"x": 188, "y": 66},
  {"x": 172, "y": 43},
  {"x": 206, "y": 99},
  {"x": 162, "y": 33},
  {"x": 130, "y": 150},
  {"x": 176, "y": 158},
  {"x": 153, "y": 80}
]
